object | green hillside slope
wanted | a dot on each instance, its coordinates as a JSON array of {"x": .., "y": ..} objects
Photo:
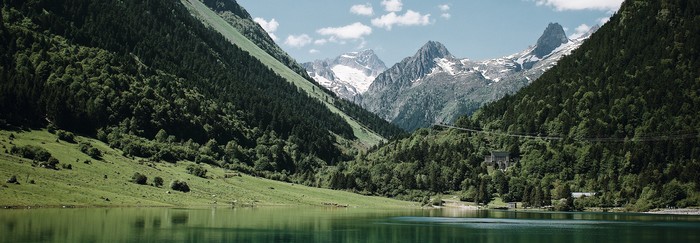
[
  {"x": 151, "y": 79},
  {"x": 626, "y": 105},
  {"x": 107, "y": 181},
  {"x": 366, "y": 135},
  {"x": 618, "y": 117},
  {"x": 240, "y": 19}
]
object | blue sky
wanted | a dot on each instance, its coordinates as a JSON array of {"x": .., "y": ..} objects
[{"x": 395, "y": 29}]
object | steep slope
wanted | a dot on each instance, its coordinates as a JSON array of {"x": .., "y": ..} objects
[
  {"x": 239, "y": 18},
  {"x": 347, "y": 75},
  {"x": 452, "y": 87},
  {"x": 617, "y": 117},
  {"x": 106, "y": 182},
  {"x": 626, "y": 104},
  {"x": 389, "y": 91},
  {"x": 150, "y": 79},
  {"x": 362, "y": 122}
]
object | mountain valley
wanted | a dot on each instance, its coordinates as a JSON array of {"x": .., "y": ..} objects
[{"x": 98, "y": 96}]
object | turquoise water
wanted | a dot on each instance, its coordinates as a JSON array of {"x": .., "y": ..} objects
[{"x": 337, "y": 225}]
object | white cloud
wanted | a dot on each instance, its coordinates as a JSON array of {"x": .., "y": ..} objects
[
  {"x": 603, "y": 20},
  {"x": 348, "y": 32},
  {"x": 314, "y": 51},
  {"x": 362, "y": 45},
  {"x": 392, "y": 5},
  {"x": 410, "y": 18},
  {"x": 580, "y": 31},
  {"x": 562, "y": 5},
  {"x": 362, "y": 9},
  {"x": 269, "y": 26},
  {"x": 444, "y": 7},
  {"x": 298, "y": 41},
  {"x": 320, "y": 42}
]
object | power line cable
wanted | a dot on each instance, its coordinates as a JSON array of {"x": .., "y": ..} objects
[{"x": 671, "y": 137}]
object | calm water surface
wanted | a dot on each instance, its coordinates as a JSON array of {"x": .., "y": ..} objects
[{"x": 337, "y": 225}]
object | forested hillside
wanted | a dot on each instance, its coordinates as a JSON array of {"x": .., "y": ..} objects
[
  {"x": 153, "y": 81},
  {"x": 621, "y": 114},
  {"x": 237, "y": 16},
  {"x": 626, "y": 105}
]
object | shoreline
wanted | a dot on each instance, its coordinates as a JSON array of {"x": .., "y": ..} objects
[
  {"x": 29, "y": 207},
  {"x": 676, "y": 211}
]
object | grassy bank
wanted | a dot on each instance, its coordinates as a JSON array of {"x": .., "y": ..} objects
[{"x": 107, "y": 183}]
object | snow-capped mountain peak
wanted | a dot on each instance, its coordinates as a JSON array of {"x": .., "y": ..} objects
[
  {"x": 347, "y": 75},
  {"x": 434, "y": 86},
  {"x": 553, "y": 37}
]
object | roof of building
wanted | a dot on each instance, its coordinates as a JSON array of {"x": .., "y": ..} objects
[
  {"x": 500, "y": 153},
  {"x": 581, "y": 194}
]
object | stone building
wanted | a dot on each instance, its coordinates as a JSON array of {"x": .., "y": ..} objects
[{"x": 499, "y": 160}]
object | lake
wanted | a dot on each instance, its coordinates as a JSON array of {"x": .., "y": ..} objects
[{"x": 337, "y": 225}]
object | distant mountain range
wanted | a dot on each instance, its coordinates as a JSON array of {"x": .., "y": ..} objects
[
  {"x": 348, "y": 75},
  {"x": 435, "y": 86}
]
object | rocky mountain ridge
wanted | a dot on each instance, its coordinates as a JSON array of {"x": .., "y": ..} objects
[
  {"x": 347, "y": 75},
  {"x": 434, "y": 86}
]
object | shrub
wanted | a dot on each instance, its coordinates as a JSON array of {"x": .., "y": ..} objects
[
  {"x": 139, "y": 178},
  {"x": 67, "y": 166},
  {"x": 102, "y": 135},
  {"x": 672, "y": 193},
  {"x": 469, "y": 195},
  {"x": 425, "y": 201},
  {"x": 13, "y": 180},
  {"x": 164, "y": 154},
  {"x": 52, "y": 128},
  {"x": 564, "y": 204},
  {"x": 91, "y": 151},
  {"x": 206, "y": 159},
  {"x": 31, "y": 152},
  {"x": 178, "y": 185},
  {"x": 51, "y": 163},
  {"x": 197, "y": 171},
  {"x": 157, "y": 181},
  {"x": 65, "y": 136}
]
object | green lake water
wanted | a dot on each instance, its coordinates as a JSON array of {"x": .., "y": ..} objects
[{"x": 337, "y": 225}]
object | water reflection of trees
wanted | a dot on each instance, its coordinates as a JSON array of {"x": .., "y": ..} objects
[
  {"x": 321, "y": 225},
  {"x": 179, "y": 218}
]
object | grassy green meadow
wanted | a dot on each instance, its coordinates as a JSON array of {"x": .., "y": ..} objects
[{"x": 107, "y": 183}]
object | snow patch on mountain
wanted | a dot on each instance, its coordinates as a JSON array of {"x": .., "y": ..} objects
[
  {"x": 347, "y": 75},
  {"x": 434, "y": 86},
  {"x": 445, "y": 65},
  {"x": 353, "y": 76}
]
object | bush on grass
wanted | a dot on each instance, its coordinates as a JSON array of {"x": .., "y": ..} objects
[{"x": 178, "y": 185}]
